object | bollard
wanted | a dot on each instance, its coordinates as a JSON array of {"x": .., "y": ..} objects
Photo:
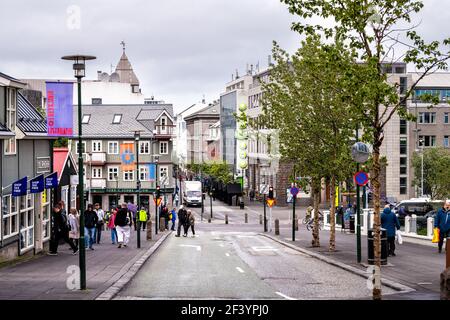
[
  {"x": 226, "y": 219},
  {"x": 260, "y": 219},
  {"x": 413, "y": 224},
  {"x": 430, "y": 226},
  {"x": 209, "y": 220},
  {"x": 445, "y": 275},
  {"x": 407, "y": 224},
  {"x": 296, "y": 224},
  {"x": 162, "y": 224},
  {"x": 277, "y": 227},
  {"x": 149, "y": 230},
  {"x": 246, "y": 217}
]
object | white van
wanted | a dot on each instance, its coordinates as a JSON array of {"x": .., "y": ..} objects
[{"x": 192, "y": 193}]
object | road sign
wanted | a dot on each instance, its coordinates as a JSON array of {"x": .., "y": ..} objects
[
  {"x": 294, "y": 191},
  {"x": 270, "y": 202},
  {"x": 264, "y": 189},
  {"x": 361, "y": 178},
  {"x": 157, "y": 201}
]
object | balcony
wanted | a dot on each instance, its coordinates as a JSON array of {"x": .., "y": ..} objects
[
  {"x": 161, "y": 132},
  {"x": 96, "y": 183},
  {"x": 96, "y": 158}
]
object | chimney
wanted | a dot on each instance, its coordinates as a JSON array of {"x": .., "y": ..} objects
[{"x": 99, "y": 74}]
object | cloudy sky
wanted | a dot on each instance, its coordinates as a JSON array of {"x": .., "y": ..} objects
[{"x": 180, "y": 49}]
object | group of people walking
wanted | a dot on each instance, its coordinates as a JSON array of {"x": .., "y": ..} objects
[{"x": 186, "y": 220}]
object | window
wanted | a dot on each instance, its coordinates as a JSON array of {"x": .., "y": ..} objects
[
  {"x": 96, "y": 146},
  {"x": 403, "y": 85},
  {"x": 46, "y": 212},
  {"x": 403, "y": 165},
  {"x": 403, "y": 185},
  {"x": 163, "y": 124},
  {"x": 11, "y": 109},
  {"x": 86, "y": 118},
  {"x": 144, "y": 147},
  {"x": 83, "y": 145},
  {"x": 113, "y": 147},
  {"x": 97, "y": 172},
  {"x": 10, "y": 223},
  {"x": 117, "y": 119},
  {"x": 403, "y": 126},
  {"x": 403, "y": 146},
  {"x": 113, "y": 173},
  {"x": 446, "y": 117},
  {"x": 427, "y": 117},
  {"x": 128, "y": 175},
  {"x": 26, "y": 222},
  {"x": 96, "y": 100},
  {"x": 427, "y": 141},
  {"x": 163, "y": 147},
  {"x": 143, "y": 173},
  {"x": 446, "y": 142},
  {"x": 163, "y": 172}
]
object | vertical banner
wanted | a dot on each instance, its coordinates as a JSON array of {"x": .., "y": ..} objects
[
  {"x": 60, "y": 109},
  {"x": 337, "y": 197},
  {"x": 51, "y": 181},
  {"x": 19, "y": 188},
  {"x": 37, "y": 184},
  {"x": 152, "y": 172},
  {"x": 127, "y": 156}
]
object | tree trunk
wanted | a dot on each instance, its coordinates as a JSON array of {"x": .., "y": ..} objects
[
  {"x": 316, "y": 188},
  {"x": 332, "y": 246},
  {"x": 377, "y": 218}
]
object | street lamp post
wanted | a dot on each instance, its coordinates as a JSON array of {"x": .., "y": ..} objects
[
  {"x": 137, "y": 136},
  {"x": 79, "y": 68},
  {"x": 421, "y": 170},
  {"x": 156, "y": 194}
]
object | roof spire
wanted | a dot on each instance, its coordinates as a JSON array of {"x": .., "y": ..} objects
[{"x": 123, "y": 45}]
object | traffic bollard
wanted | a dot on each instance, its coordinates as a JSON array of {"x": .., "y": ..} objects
[
  {"x": 162, "y": 224},
  {"x": 260, "y": 219},
  {"x": 246, "y": 217},
  {"x": 296, "y": 224},
  {"x": 277, "y": 227},
  {"x": 149, "y": 230},
  {"x": 226, "y": 219},
  {"x": 209, "y": 220}
]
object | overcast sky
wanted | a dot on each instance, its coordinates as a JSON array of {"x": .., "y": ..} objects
[{"x": 179, "y": 49}]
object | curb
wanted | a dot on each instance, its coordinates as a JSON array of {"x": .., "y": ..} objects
[
  {"x": 114, "y": 289},
  {"x": 388, "y": 283}
]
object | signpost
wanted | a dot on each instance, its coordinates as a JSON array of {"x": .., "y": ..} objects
[
  {"x": 270, "y": 203},
  {"x": 361, "y": 178},
  {"x": 294, "y": 192}
]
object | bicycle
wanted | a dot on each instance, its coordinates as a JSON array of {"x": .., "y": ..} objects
[{"x": 310, "y": 222}]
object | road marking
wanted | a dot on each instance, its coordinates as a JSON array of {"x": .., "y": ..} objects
[
  {"x": 245, "y": 236},
  {"x": 264, "y": 248},
  {"x": 424, "y": 283},
  {"x": 192, "y": 246},
  {"x": 284, "y": 296},
  {"x": 240, "y": 270},
  {"x": 227, "y": 254}
]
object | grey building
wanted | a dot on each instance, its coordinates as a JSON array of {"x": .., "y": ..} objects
[
  {"x": 25, "y": 152},
  {"x": 107, "y": 129}
]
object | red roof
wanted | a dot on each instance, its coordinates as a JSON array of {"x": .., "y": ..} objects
[{"x": 59, "y": 159}]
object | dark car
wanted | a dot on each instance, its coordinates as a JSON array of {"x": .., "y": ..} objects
[{"x": 422, "y": 208}]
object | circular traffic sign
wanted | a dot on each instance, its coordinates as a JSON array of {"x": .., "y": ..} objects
[
  {"x": 294, "y": 191},
  {"x": 361, "y": 178}
]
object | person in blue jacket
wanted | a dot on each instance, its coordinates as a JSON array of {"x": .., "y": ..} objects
[
  {"x": 389, "y": 221},
  {"x": 442, "y": 222}
]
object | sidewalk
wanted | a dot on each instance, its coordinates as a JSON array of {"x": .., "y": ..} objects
[{"x": 45, "y": 277}]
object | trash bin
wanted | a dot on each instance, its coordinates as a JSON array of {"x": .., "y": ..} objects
[
  {"x": 352, "y": 224},
  {"x": 384, "y": 247},
  {"x": 241, "y": 202}
]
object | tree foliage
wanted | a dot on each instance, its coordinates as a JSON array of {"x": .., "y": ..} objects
[{"x": 220, "y": 171}]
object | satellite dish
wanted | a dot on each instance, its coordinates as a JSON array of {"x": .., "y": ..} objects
[
  {"x": 360, "y": 152},
  {"x": 114, "y": 77}
]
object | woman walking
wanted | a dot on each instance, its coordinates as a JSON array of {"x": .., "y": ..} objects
[
  {"x": 174, "y": 218},
  {"x": 190, "y": 223},
  {"x": 74, "y": 223},
  {"x": 112, "y": 226},
  {"x": 123, "y": 222}
]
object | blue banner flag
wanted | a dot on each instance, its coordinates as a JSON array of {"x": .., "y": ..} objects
[
  {"x": 19, "y": 188},
  {"x": 152, "y": 172},
  {"x": 37, "y": 184},
  {"x": 51, "y": 181},
  {"x": 59, "y": 109}
]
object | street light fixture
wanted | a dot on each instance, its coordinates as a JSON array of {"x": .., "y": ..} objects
[
  {"x": 79, "y": 70},
  {"x": 137, "y": 136}
]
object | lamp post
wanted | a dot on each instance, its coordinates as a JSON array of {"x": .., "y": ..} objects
[
  {"x": 156, "y": 194},
  {"x": 116, "y": 177},
  {"x": 79, "y": 69},
  {"x": 137, "y": 136},
  {"x": 421, "y": 170}
]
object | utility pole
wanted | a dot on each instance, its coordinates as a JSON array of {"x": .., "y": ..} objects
[{"x": 358, "y": 216}]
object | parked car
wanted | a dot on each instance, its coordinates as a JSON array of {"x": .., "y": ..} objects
[{"x": 421, "y": 207}]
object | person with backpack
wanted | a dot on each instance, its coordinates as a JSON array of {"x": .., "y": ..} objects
[
  {"x": 100, "y": 222},
  {"x": 182, "y": 218},
  {"x": 143, "y": 218},
  {"x": 112, "y": 226},
  {"x": 60, "y": 230},
  {"x": 123, "y": 222},
  {"x": 90, "y": 223},
  {"x": 74, "y": 226},
  {"x": 190, "y": 223},
  {"x": 173, "y": 217},
  {"x": 442, "y": 222}
]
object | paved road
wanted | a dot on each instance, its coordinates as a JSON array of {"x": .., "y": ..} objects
[{"x": 222, "y": 262}]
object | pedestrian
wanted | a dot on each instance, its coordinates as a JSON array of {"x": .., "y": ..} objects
[
  {"x": 133, "y": 210},
  {"x": 74, "y": 222},
  {"x": 442, "y": 222},
  {"x": 190, "y": 223},
  {"x": 60, "y": 230},
  {"x": 165, "y": 214},
  {"x": 100, "y": 222},
  {"x": 252, "y": 195},
  {"x": 182, "y": 217},
  {"x": 173, "y": 218},
  {"x": 389, "y": 221},
  {"x": 90, "y": 223},
  {"x": 177, "y": 199},
  {"x": 112, "y": 226},
  {"x": 143, "y": 218},
  {"x": 123, "y": 223}
]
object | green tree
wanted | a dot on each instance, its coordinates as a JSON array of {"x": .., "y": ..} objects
[{"x": 436, "y": 172}]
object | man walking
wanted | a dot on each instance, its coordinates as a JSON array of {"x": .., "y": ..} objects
[
  {"x": 123, "y": 222},
  {"x": 182, "y": 217},
  {"x": 100, "y": 222},
  {"x": 442, "y": 222},
  {"x": 90, "y": 223},
  {"x": 143, "y": 218},
  {"x": 60, "y": 231},
  {"x": 389, "y": 221}
]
